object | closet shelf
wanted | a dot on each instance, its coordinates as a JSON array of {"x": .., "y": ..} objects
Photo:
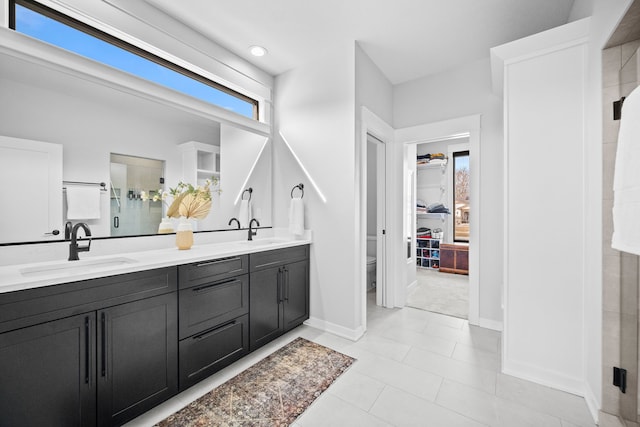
[{"x": 430, "y": 215}]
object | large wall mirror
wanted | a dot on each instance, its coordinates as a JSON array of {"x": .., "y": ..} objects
[{"x": 123, "y": 139}]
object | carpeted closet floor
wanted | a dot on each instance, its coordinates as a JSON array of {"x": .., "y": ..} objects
[{"x": 440, "y": 293}]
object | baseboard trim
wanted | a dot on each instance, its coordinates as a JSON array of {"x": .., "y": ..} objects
[
  {"x": 341, "y": 331},
  {"x": 544, "y": 377},
  {"x": 495, "y": 325},
  {"x": 592, "y": 402}
]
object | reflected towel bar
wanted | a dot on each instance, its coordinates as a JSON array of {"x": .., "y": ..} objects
[
  {"x": 101, "y": 184},
  {"x": 299, "y": 187}
]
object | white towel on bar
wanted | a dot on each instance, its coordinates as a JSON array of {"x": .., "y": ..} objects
[
  {"x": 244, "y": 216},
  {"x": 626, "y": 180},
  {"x": 296, "y": 217},
  {"x": 83, "y": 202}
]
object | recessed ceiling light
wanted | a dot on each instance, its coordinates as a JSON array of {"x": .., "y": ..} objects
[{"x": 257, "y": 51}]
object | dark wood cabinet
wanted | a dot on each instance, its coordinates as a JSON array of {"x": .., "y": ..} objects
[
  {"x": 279, "y": 293},
  {"x": 296, "y": 294},
  {"x": 101, "y": 352},
  {"x": 137, "y": 357},
  {"x": 454, "y": 258},
  {"x": 47, "y": 374},
  {"x": 213, "y": 316},
  {"x": 114, "y": 361}
]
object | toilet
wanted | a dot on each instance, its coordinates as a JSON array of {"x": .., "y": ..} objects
[{"x": 371, "y": 272}]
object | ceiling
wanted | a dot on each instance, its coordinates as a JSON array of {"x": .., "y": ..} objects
[{"x": 406, "y": 39}]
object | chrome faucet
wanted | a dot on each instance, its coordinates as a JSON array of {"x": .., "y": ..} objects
[
  {"x": 251, "y": 232},
  {"x": 74, "y": 248},
  {"x": 236, "y": 220}
]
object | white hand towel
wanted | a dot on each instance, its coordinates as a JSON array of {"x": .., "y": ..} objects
[
  {"x": 296, "y": 217},
  {"x": 626, "y": 181},
  {"x": 83, "y": 202},
  {"x": 244, "y": 216}
]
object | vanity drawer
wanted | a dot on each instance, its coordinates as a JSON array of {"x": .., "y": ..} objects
[
  {"x": 210, "y": 304},
  {"x": 209, "y": 271},
  {"x": 32, "y": 306},
  {"x": 206, "y": 353},
  {"x": 268, "y": 259}
]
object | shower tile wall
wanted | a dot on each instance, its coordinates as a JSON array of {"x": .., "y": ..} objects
[{"x": 620, "y": 270}]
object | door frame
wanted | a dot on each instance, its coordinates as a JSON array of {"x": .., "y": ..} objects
[
  {"x": 381, "y": 204},
  {"x": 449, "y": 129},
  {"x": 371, "y": 124}
]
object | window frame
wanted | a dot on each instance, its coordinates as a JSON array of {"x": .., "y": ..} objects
[
  {"x": 131, "y": 48},
  {"x": 462, "y": 153}
]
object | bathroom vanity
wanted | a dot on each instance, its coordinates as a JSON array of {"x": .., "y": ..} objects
[{"x": 104, "y": 349}]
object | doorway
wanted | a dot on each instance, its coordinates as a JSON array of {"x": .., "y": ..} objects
[
  {"x": 448, "y": 130},
  {"x": 376, "y": 202},
  {"x": 441, "y": 211}
]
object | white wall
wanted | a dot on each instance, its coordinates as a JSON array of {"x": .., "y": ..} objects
[
  {"x": 315, "y": 115},
  {"x": 460, "y": 92},
  {"x": 544, "y": 113}
]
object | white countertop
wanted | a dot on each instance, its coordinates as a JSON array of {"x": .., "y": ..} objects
[{"x": 34, "y": 275}]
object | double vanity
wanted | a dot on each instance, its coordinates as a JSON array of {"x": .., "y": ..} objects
[{"x": 101, "y": 340}]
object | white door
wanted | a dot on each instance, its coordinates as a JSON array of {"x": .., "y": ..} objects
[
  {"x": 31, "y": 190},
  {"x": 380, "y": 207}
]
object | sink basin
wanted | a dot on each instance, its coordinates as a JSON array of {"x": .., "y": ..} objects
[
  {"x": 68, "y": 267},
  {"x": 266, "y": 241}
]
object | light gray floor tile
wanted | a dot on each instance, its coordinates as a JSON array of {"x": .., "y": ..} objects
[
  {"x": 399, "y": 375},
  {"x": 490, "y": 409},
  {"x": 419, "y": 340},
  {"x": 357, "y": 389},
  {"x": 474, "y": 336},
  {"x": 563, "y": 405},
  {"x": 455, "y": 370},
  {"x": 383, "y": 346},
  {"x": 481, "y": 358},
  {"x": 329, "y": 410},
  {"x": 403, "y": 409}
]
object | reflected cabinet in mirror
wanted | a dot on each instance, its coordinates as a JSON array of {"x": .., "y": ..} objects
[{"x": 58, "y": 129}]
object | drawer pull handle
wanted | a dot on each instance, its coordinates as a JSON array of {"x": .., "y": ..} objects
[
  {"x": 87, "y": 354},
  {"x": 267, "y": 264},
  {"x": 218, "y": 261},
  {"x": 213, "y": 285},
  {"x": 103, "y": 321},
  {"x": 215, "y": 330}
]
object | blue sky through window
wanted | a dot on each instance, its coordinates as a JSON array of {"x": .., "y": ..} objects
[{"x": 49, "y": 30}]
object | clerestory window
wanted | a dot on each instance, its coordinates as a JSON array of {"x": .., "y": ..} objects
[{"x": 41, "y": 22}]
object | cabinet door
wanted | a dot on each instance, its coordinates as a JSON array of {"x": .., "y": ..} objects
[
  {"x": 137, "y": 357},
  {"x": 296, "y": 294},
  {"x": 265, "y": 308},
  {"x": 47, "y": 375}
]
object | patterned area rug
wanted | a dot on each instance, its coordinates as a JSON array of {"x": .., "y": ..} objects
[{"x": 273, "y": 392}]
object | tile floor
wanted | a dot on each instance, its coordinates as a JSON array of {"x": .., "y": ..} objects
[{"x": 414, "y": 368}]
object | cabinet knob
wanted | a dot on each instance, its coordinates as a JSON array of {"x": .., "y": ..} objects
[{"x": 53, "y": 233}]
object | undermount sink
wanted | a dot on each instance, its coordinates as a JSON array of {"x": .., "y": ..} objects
[
  {"x": 68, "y": 267},
  {"x": 266, "y": 241}
]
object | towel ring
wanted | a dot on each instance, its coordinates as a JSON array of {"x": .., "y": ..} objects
[
  {"x": 299, "y": 187},
  {"x": 249, "y": 190}
]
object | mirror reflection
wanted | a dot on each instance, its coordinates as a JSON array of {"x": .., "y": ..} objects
[
  {"x": 100, "y": 132},
  {"x": 130, "y": 177}
]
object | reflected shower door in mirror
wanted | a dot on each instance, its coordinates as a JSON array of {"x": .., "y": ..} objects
[{"x": 130, "y": 176}]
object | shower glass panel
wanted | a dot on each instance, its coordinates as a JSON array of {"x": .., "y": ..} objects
[{"x": 130, "y": 176}]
